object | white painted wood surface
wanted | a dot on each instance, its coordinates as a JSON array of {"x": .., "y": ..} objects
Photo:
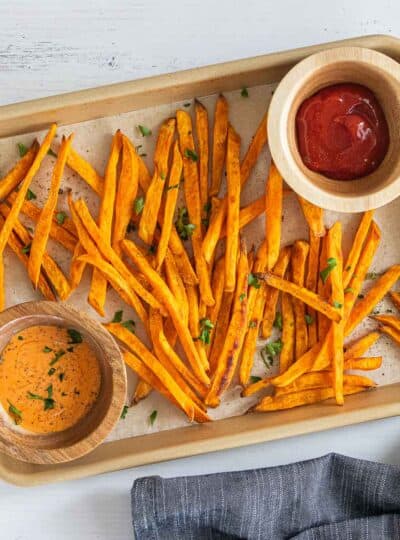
[{"x": 55, "y": 46}]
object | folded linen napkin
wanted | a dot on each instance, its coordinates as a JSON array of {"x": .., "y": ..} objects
[{"x": 329, "y": 498}]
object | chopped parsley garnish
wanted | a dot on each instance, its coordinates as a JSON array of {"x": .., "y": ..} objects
[
  {"x": 57, "y": 357},
  {"x": 16, "y": 413},
  {"x": 274, "y": 347},
  {"x": 244, "y": 92},
  {"x": 254, "y": 281},
  {"x": 252, "y": 324},
  {"x": 30, "y": 196},
  {"x": 162, "y": 176},
  {"x": 129, "y": 325},
  {"x": 144, "y": 131},
  {"x": 124, "y": 412},
  {"x": 242, "y": 297},
  {"x": 47, "y": 349},
  {"x": 337, "y": 305},
  {"x": 372, "y": 275},
  {"x": 331, "y": 263},
  {"x": 26, "y": 249},
  {"x": 278, "y": 320},
  {"x": 138, "y": 205},
  {"x": 309, "y": 319},
  {"x": 183, "y": 226},
  {"x": 205, "y": 329},
  {"x": 61, "y": 217},
  {"x": 22, "y": 149},
  {"x": 207, "y": 211},
  {"x": 254, "y": 378},
  {"x": 152, "y": 417},
  {"x": 267, "y": 359},
  {"x": 51, "y": 371},
  {"x": 48, "y": 401},
  {"x": 117, "y": 316},
  {"x": 50, "y": 152},
  {"x": 348, "y": 290},
  {"x": 75, "y": 336},
  {"x": 190, "y": 154}
]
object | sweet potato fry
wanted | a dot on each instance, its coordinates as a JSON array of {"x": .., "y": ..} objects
[
  {"x": 170, "y": 204},
  {"x": 308, "y": 297},
  {"x": 43, "y": 226},
  {"x": 301, "y": 365},
  {"x": 182, "y": 259},
  {"x": 323, "y": 379},
  {"x": 363, "y": 364},
  {"x": 323, "y": 288},
  {"x": 395, "y": 296},
  {"x": 314, "y": 217},
  {"x": 98, "y": 287},
  {"x": 219, "y": 144},
  {"x": 15, "y": 176},
  {"x": 248, "y": 213},
  {"x": 391, "y": 332},
  {"x": 228, "y": 359},
  {"x": 380, "y": 288},
  {"x": 389, "y": 320},
  {"x": 256, "y": 387},
  {"x": 142, "y": 389},
  {"x": 217, "y": 287},
  {"x": 311, "y": 283},
  {"x": 86, "y": 171},
  {"x": 169, "y": 301},
  {"x": 202, "y": 139},
  {"x": 194, "y": 325},
  {"x": 286, "y": 357},
  {"x": 192, "y": 196},
  {"x": 299, "y": 263},
  {"x": 356, "y": 248},
  {"x": 336, "y": 277},
  {"x": 232, "y": 218},
  {"x": 273, "y": 294},
  {"x": 135, "y": 345},
  {"x": 126, "y": 193},
  {"x": 305, "y": 397},
  {"x": 360, "y": 346},
  {"x": 77, "y": 267},
  {"x": 216, "y": 223},
  {"x": 273, "y": 215},
  {"x": 149, "y": 215},
  {"x": 177, "y": 287},
  {"x": 220, "y": 330}
]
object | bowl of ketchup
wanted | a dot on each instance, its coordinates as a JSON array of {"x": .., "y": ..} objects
[{"x": 334, "y": 129}]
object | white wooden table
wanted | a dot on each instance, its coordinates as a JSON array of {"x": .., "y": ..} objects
[{"x": 55, "y": 46}]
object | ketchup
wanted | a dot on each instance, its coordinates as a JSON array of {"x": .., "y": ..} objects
[{"x": 342, "y": 132}]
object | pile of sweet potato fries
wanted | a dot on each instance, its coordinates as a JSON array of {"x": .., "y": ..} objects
[{"x": 203, "y": 314}]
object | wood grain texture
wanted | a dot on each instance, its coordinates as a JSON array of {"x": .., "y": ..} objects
[{"x": 94, "y": 427}]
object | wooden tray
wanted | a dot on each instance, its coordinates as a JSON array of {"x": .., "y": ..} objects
[{"x": 221, "y": 434}]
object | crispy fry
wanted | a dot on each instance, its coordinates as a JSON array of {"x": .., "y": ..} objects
[
  {"x": 43, "y": 226},
  {"x": 322, "y": 379},
  {"x": 229, "y": 356},
  {"x": 395, "y": 296},
  {"x": 220, "y": 330},
  {"x": 273, "y": 215},
  {"x": 170, "y": 304},
  {"x": 217, "y": 286},
  {"x": 361, "y": 346},
  {"x": 216, "y": 223},
  {"x": 232, "y": 218},
  {"x": 311, "y": 283},
  {"x": 98, "y": 287},
  {"x": 308, "y": 297},
  {"x": 86, "y": 171},
  {"x": 305, "y": 397},
  {"x": 302, "y": 365},
  {"x": 77, "y": 267},
  {"x": 365, "y": 364},
  {"x": 148, "y": 220},
  {"x": 126, "y": 193},
  {"x": 286, "y": 357},
  {"x": 314, "y": 217},
  {"x": 323, "y": 289},
  {"x": 389, "y": 320},
  {"x": 248, "y": 213},
  {"x": 194, "y": 325},
  {"x": 142, "y": 389},
  {"x": 356, "y": 248},
  {"x": 380, "y": 288},
  {"x": 177, "y": 287},
  {"x": 364, "y": 262},
  {"x": 336, "y": 277},
  {"x": 192, "y": 196},
  {"x": 202, "y": 139},
  {"x": 256, "y": 387},
  {"x": 299, "y": 263},
  {"x": 15, "y": 176},
  {"x": 91, "y": 240},
  {"x": 182, "y": 259},
  {"x": 219, "y": 144},
  {"x": 391, "y": 332},
  {"x": 136, "y": 346},
  {"x": 170, "y": 204},
  {"x": 273, "y": 294}
]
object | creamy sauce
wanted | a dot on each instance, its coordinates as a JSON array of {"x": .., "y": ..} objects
[{"x": 49, "y": 378}]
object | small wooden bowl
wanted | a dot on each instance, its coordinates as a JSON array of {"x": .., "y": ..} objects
[
  {"x": 372, "y": 69},
  {"x": 93, "y": 428}
]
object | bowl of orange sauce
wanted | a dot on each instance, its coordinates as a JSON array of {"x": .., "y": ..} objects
[
  {"x": 62, "y": 383},
  {"x": 334, "y": 129}
]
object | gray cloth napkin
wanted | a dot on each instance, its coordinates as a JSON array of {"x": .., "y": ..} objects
[{"x": 332, "y": 497}]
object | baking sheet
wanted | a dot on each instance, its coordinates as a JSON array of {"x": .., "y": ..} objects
[{"x": 92, "y": 140}]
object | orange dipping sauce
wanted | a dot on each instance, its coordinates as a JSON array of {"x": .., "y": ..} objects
[
  {"x": 342, "y": 132},
  {"x": 49, "y": 378}
]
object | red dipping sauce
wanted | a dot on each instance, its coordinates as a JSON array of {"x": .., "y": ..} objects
[{"x": 342, "y": 132}]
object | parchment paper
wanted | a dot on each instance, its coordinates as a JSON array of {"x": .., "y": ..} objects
[{"x": 92, "y": 140}]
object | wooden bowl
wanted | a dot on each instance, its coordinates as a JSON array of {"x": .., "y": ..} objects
[
  {"x": 372, "y": 69},
  {"x": 93, "y": 428}
]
